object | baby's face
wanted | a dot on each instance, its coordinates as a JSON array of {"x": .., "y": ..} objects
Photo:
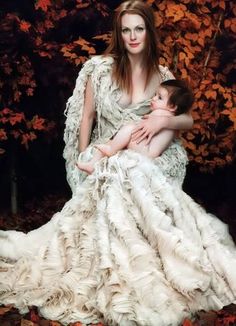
[{"x": 160, "y": 100}]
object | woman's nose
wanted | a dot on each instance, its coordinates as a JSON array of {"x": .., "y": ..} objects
[{"x": 132, "y": 35}]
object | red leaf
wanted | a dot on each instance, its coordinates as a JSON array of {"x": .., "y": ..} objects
[
  {"x": 43, "y": 4},
  {"x": 187, "y": 322},
  {"x": 33, "y": 316},
  {"x": 3, "y": 135},
  {"x": 38, "y": 123},
  {"x": 24, "y": 26},
  {"x": 17, "y": 118},
  {"x": 3, "y": 310},
  {"x": 6, "y": 111}
]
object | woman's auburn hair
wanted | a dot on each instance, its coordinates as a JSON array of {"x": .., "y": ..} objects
[{"x": 116, "y": 48}]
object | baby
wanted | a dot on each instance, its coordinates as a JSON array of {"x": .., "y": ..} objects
[{"x": 173, "y": 97}]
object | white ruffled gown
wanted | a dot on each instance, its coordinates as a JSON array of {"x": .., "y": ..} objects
[{"x": 130, "y": 247}]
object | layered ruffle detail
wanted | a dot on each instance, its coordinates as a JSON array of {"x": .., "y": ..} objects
[{"x": 129, "y": 248}]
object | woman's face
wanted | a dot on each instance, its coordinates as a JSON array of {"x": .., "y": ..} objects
[{"x": 133, "y": 32}]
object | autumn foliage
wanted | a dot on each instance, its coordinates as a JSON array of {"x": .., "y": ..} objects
[
  {"x": 9, "y": 316},
  {"x": 196, "y": 40},
  {"x": 44, "y": 43}
]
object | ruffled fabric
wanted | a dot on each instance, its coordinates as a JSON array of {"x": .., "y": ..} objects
[{"x": 129, "y": 248}]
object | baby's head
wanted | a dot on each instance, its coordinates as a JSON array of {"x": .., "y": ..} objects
[{"x": 180, "y": 96}]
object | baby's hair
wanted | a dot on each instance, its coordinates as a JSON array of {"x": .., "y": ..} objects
[{"x": 181, "y": 95}]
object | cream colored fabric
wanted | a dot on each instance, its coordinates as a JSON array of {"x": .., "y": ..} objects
[{"x": 130, "y": 247}]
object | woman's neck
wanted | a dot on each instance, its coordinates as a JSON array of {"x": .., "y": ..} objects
[{"x": 136, "y": 62}]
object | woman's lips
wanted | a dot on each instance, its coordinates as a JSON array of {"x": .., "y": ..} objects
[{"x": 134, "y": 45}]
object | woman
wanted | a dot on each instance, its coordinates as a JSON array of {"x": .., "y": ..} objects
[{"x": 130, "y": 247}]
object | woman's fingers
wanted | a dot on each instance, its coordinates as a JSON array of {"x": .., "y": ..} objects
[
  {"x": 138, "y": 127},
  {"x": 139, "y": 137},
  {"x": 137, "y": 134},
  {"x": 149, "y": 137}
]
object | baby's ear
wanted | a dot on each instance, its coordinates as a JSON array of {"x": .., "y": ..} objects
[{"x": 172, "y": 108}]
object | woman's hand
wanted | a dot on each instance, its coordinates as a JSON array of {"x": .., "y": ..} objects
[
  {"x": 153, "y": 124},
  {"x": 148, "y": 127}
]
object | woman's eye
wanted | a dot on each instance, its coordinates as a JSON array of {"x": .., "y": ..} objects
[
  {"x": 139, "y": 29},
  {"x": 125, "y": 30}
]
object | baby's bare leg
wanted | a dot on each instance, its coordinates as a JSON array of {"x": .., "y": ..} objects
[
  {"x": 120, "y": 141},
  {"x": 141, "y": 147},
  {"x": 160, "y": 142},
  {"x": 157, "y": 145}
]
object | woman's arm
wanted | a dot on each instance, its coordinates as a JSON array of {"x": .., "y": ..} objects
[
  {"x": 151, "y": 125},
  {"x": 87, "y": 118}
]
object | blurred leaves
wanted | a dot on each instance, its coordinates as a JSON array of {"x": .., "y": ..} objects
[{"x": 44, "y": 50}]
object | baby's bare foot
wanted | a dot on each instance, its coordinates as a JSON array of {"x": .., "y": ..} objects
[{"x": 86, "y": 167}]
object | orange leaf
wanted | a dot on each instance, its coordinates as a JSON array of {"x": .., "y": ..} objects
[
  {"x": 190, "y": 136},
  {"x": 5, "y": 111},
  {"x": 103, "y": 37},
  {"x": 27, "y": 137},
  {"x": 227, "y": 23},
  {"x": 80, "y": 60},
  {"x": 25, "y": 322},
  {"x": 184, "y": 73},
  {"x": 81, "y": 5},
  {"x": 182, "y": 56},
  {"x": 85, "y": 45},
  {"x": 43, "y": 4},
  {"x": 3, "y": 310},
  {"x": 33, "y": 316},
  {"x": 54, "y": 323},
  {"x": 3, "y": 136},
  {"x": 222, "y": 4},
  {"x": 38, "y": 123},
  {"x": 16, "y": 118},
  {"x": 191, "y": 36},
  {"x": 228, "y": 104},
  {"x": 191, "y": 146},
  {"x": 233, "y": 26},
  {"x": 24, "y": 26},
  {"x": 205, "y": 10},
  {"x": 206, "y": 21},
  {"x": 187, "y": 322},
  {"x": 201, "y": 41},
  {"x": 45, "y": 54},
  {"x": 211, "y": 94}
]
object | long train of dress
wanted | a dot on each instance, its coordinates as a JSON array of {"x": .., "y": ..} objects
[{"x": 129, "y": 248}]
